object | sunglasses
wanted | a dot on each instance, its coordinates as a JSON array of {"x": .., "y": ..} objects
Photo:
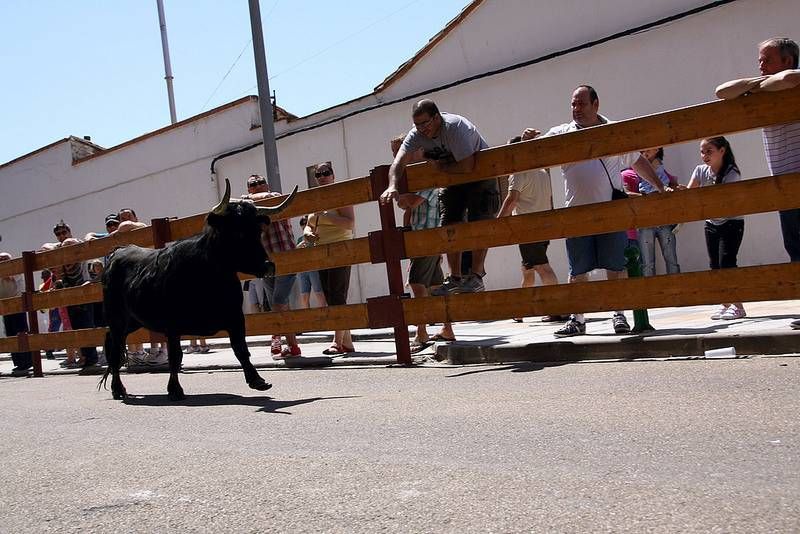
[
  {"x": 257, "y": 182},
  {"x": 424, "y": 124},
  {"x": 323, "y": 173}
]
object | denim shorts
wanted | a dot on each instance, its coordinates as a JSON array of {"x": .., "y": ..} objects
[
  {"x": 309, "y": 281},
  {"x": 281, "y": 289},
  {"x": 602, "y": 251}
]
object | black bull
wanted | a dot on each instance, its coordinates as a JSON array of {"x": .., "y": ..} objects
[{"x": 188, "y": 288}]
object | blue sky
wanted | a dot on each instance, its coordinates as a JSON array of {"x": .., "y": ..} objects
[{"x": 95, "y": 67}]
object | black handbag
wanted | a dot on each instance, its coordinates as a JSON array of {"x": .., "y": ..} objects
[{"x": 616, "y": 194}]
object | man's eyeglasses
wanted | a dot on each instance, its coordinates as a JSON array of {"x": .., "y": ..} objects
[
  {"x": 257, "y": 182},
  {"x": 424, "y": 124},
  {"x": 322, "y": 173}
]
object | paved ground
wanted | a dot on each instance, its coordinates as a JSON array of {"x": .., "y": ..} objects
[{"x": 658, "y": 446}]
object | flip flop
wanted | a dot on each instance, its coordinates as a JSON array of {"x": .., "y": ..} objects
[
  {"x": 419, "y": 346},
  {"x": 333, "y": 350},
  {"x": 440, "y": 337}
]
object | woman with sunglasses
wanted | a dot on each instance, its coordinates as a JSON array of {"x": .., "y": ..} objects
[
  {"x": 723, "y": 236},
  {"x": 326, "y": 227}
]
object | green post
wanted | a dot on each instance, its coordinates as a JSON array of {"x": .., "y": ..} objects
[{"x": 641, "y": 321}]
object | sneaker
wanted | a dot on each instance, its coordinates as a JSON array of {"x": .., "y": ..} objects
[
  {"x": 472, "y": 283},
  {"x": 571, "y": 328},
  {"x": 795, "y": 325},
  {"x": 276, "y": 345},
  {"x": 203, "y": 349},
  {"x": 734, "y": 313},
  {"x": 719, "y": 313},
  {"x": 137, "y": 358},
  {"x": 450, "y": 286},
  {"x": 291, "y": 351},
  {"x": 190, "y": 349},
  {"x": 20, "y": 371},
  {"x": 160, "y": 358},
  {"x": 620, "y": 323}
]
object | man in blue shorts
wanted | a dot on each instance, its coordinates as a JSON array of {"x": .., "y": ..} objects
[{"x": 587, "y": 182}]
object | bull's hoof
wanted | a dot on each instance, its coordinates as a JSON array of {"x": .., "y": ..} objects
[
  {"x": 119, "y": 394},
  {"x": 259, "y": 385},
  {"x": 176, "y": 396}
]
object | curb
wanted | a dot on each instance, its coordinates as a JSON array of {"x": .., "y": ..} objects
[{"x": 626, "y": 348}]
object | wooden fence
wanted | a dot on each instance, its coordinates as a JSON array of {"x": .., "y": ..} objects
[{"x": 390, "y": 245}]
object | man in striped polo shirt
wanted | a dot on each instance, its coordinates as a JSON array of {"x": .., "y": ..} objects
[{"x": 778, "y": 62}]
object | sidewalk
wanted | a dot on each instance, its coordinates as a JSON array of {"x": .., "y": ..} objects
[{"x": 680, "y": 332}]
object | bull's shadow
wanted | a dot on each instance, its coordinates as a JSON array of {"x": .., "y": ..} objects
[{"x": 263, "y": 403}]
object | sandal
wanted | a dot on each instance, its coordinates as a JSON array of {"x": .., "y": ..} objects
[
  {"x": 440, "y": 337},
  {"x": 333, "y": 350},
  {"x": 419, "y": 346}
]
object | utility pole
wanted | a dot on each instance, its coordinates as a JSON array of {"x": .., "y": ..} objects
[
  {"x": 167, "y": 65},
  {"x": 265, "y": 104}
]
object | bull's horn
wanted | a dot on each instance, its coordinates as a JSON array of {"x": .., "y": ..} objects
[
  {"x": 220, "y": 208},
  {"x": 274, "y": 210}
]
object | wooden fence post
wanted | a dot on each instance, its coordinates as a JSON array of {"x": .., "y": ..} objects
[
  {"x": 386, "y": 245},
  {"x": 28, "y": 259}
]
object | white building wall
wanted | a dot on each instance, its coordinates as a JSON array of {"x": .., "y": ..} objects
[{"x": 665, "y": 68}]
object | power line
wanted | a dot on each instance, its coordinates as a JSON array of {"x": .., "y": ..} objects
[
  {"x": 337, "y": 43},
  {"x": 235, "y": 61}
]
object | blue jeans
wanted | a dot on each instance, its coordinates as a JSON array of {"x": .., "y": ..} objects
[{"x": 666, "y": 240}]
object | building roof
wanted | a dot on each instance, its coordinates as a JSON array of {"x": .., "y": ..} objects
[
  {"x": 95, "y": 150},
  {"x": 436, "y": 39}
]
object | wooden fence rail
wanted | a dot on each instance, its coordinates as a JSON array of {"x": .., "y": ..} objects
[{"x": 389, "y": 245}]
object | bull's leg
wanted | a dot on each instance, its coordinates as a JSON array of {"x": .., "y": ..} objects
[
  {"x": 239, "y": 345},
  {"x": 174, "y": 389},
  {"x": 113, "y": 349}
]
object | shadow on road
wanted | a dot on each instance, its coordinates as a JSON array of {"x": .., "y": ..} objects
[
  {"x": 517, "y": 367},
  {"x": 264, "y": 404}
]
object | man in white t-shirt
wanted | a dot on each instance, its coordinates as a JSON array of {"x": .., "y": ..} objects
[
  {"x": 531, "y": 192},
  {"x": 778, "y": 62},
  {"x": 587, "y": 182}
]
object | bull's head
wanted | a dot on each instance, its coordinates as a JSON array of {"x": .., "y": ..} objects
[{"x": 238, "y": 225}]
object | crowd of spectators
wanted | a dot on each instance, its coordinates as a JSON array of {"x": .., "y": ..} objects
[{"x": 451, "y": 142}]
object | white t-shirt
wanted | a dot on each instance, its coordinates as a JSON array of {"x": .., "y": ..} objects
[
  {"x": 587, "y": 182},
  {"x": 535, "y": 191},
  {"x": 706, "y": 177}
]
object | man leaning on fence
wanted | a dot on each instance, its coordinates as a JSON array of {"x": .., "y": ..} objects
[
  {"x": 587, "y": 182},
  {"x": 424, "y": 272},
  {"x": 451, "y": 141},
  {"x": 14, "y": 323},
  {"x": 778, "y": 62}
]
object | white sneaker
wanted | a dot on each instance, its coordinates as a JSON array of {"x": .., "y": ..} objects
[
  {"x": 720, "y": 312},
  {"x": 734, "y": 313}
]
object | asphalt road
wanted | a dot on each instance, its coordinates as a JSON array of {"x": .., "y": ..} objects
[{"x": 656, "y": 446}]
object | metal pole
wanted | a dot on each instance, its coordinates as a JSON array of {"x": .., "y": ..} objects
[
  {"x": 267, "y": 125},
  {"x": 167, "y": 65}
]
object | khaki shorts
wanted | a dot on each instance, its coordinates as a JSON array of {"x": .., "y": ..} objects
[{"x": 426, "y": 271}]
